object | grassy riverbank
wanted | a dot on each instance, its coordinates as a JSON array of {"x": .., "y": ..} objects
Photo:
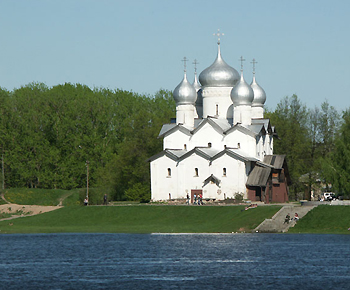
[
  {"x": 142, "y": 219},
  {"x": 324, "y": 219}
]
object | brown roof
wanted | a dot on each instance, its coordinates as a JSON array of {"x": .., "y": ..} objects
[
  {"x": 275, "y": 160},
  {"x": 258, "y": 176}
]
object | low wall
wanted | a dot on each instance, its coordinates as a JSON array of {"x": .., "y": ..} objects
[{"x": 333, "y": 202}]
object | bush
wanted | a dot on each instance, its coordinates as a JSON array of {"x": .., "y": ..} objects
[
  {"x": 238, "y": 198},
  {"x": 138, "y": 192}
]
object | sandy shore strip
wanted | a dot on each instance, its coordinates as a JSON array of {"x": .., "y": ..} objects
[{"x": 25, "y": 209}]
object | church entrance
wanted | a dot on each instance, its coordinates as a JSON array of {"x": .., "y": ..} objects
[
  {"x": 197, "y": 192},
  {"x": 258, "y": 194}
]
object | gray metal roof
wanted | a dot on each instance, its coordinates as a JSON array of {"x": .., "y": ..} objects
[
  {"x": 177, "y": 153},
  {"x": 212, "y": 178},
  {"x": 256, "y": 128},
  {"x": 208, "y": 151},
  {"x": 242, "y": 154},
  {"x": 258, "y": 176},
  {"x": 265, "y": 122},
  {"x": 166, "y": 128},
  {"x": 222, "y": 123}
]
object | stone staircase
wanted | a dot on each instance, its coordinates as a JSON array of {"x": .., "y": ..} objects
[{"x": 277, "y": 225}]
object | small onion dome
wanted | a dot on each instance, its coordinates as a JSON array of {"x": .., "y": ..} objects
[
  {"x": 185, "y": 93},
  {"x": 219, "y": 74},
  {"x": 197, "y": 86},
  {"x": 196, "y": 83},
  {"x": 242, "y": 93},
  {"x": 259, "y": 94}
]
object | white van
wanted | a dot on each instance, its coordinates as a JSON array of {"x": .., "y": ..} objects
[{"x": 328, "y": 196}]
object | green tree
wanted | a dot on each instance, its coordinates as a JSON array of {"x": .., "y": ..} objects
[
  {"x": 336, "y": 166},
  {"x": 290, "y": 120}
]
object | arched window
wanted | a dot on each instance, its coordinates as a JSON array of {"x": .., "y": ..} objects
[
  {"x": 238, "y": 145},
  {"x": 169, "y": 172},
  {"x": 209, "y": 144},
  {"x": 224, "y": 171},
  {"x": 185, "y": 146},
  {"x": 196, "y": 172}
]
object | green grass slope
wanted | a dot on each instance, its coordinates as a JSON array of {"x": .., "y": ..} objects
[
  {"x": 324, "y": 219},
  {"x": 142, "y": 219},
  {"x": 36, "y": 196}
]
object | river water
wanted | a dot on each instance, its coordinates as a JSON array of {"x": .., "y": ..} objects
[{"x": 179, "y": 261}]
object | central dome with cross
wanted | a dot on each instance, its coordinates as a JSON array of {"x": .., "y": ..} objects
[{"x": 219, "y": 74}]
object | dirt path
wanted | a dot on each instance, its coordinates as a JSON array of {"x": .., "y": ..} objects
[
  {"x": 19, "y": 210},
  {"x": 3, "y": 197}
]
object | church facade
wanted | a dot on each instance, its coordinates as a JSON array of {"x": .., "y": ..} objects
[{"x": 220, "y": 144}]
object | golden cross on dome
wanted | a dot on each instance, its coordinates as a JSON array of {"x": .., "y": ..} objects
[
  {"x": 242, "y": 60},
  {"x": 184, "y": 60},
  {"x": 218, "y": 34}
]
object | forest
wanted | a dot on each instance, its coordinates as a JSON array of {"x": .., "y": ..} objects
[{"x": 55, "y": 137}]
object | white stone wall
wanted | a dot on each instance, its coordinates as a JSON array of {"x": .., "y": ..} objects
[
  {"x": 235, "y": 179},
  {"x": 161, "y": 183},
  {"x": 246, "y": 142},
  {"x": 242, "y": 114},
  {"x": 217, "y": 100},
  {"x": 176, "y": 140},
  {"x": 257, "y": 112},
  {"x": 206, "y": 134},
  {"x": 185, "y": 115},
  {"x": 183, "y": 177}
]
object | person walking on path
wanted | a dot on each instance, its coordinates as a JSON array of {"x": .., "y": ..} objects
[
  {"x": 200, "y": 199},
  {"x": 188, "y": 199},
  {"x": 287, "y": 219},
  {"x": 105, "y": 199},
  {"x": 194, "y": 199}
]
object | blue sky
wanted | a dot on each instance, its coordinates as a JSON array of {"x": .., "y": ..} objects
[{"x": 301, "y": 46}]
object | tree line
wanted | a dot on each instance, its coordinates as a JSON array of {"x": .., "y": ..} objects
[
  {"x": 316, "y": 143},
  {"x": 50, "y": 135}
]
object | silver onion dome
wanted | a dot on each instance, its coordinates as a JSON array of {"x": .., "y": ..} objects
[
  {"x": 219, "y": 74},
  {"x": 185, "y": 93},
  {"x": 197, "y": 86},
  {"x": 259, "y": 94},
  {"x": 196, "y": 83},
  {"x": 242, "y": 93}
]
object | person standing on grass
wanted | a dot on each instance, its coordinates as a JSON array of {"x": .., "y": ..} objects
[{"x": 105, "y": 199}]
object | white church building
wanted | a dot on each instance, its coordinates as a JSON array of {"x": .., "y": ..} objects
[{"x": 220, "y": 145}]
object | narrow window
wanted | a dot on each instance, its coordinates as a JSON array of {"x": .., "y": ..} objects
[
  {"x": 185, "y": 146},
  {"x": 224, "y": 171},
  {"x": 196, "y": 172},
  {"x": 217, "y": 110},
  {"x": 238, "y": 145},
  {"x": 225, "y": 146},
  {"x": 209, "y": 144},
  {"x": 169, "y": 172}
]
